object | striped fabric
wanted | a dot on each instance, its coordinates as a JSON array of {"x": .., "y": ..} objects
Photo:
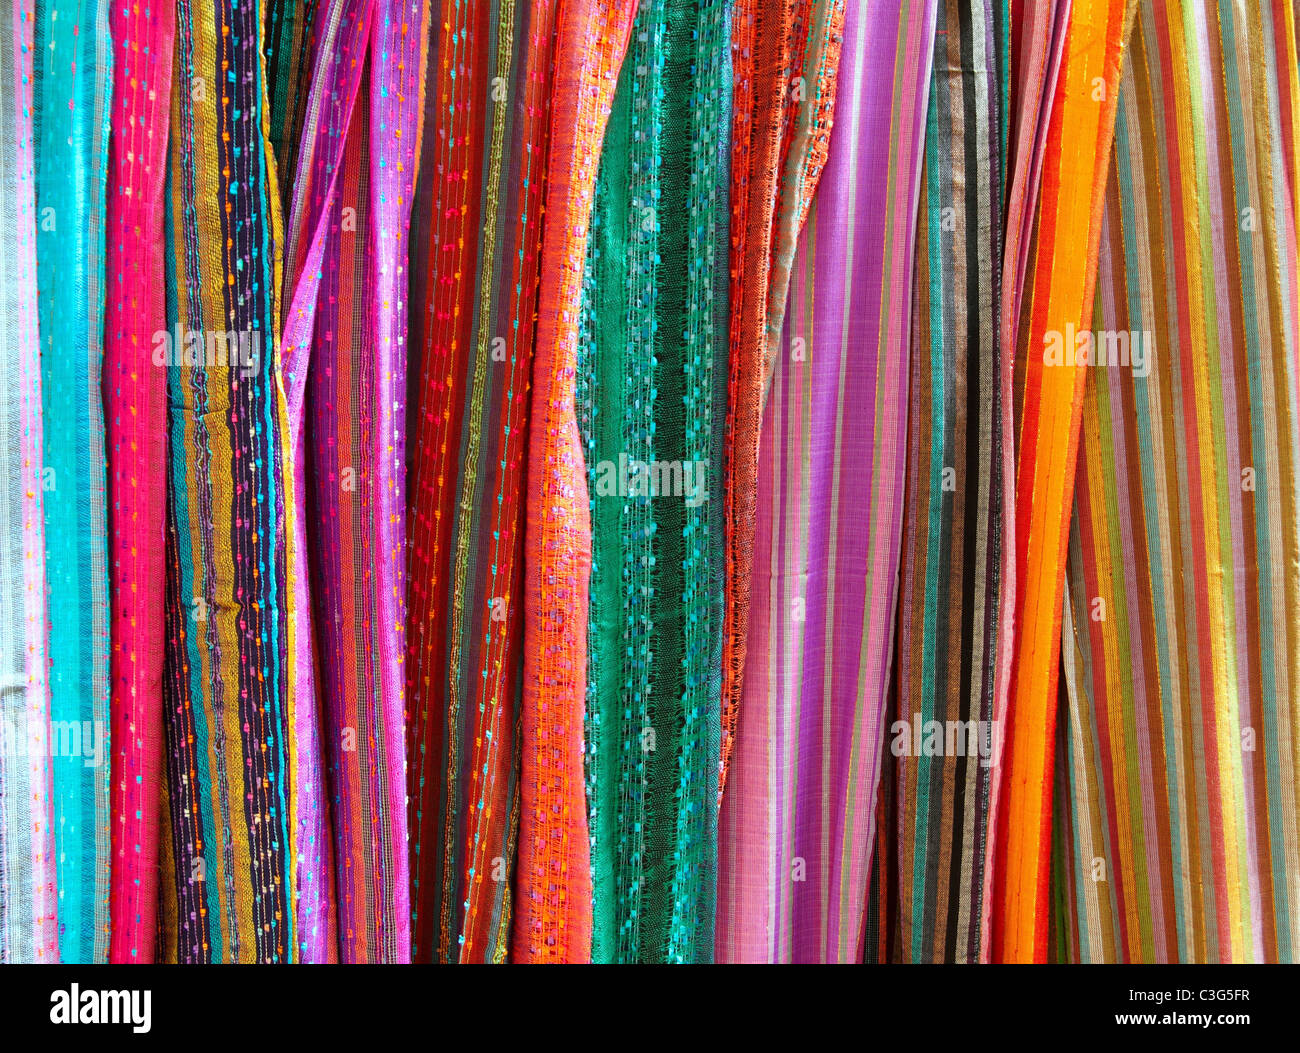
[
  {"x": 918, "y": 910},
  {"x": 955, "y": 533},
  {"x": 292, "y": 37},
  {"x": 232, "y": 859},
  {"x": 1056, "y": 290},
  {"x": 651, "y": 406},
  {"x": 798, "y": 810},
  {"x": 356, "y": 483},
  {"x": 474, "y": 281},
  {"x": 330, "y": 104},
  {"x": 74, "y": 86},
  {"x": 1176, "y": 838},
  {"x": 28, "y": 878},
  {"x": 135, "y": 425},
  {"x": 553, "y": 878},
  {"x": 638, "y": 481},
  {"x": 785, "y": 57},
  {"x": 344, "y": 350}
]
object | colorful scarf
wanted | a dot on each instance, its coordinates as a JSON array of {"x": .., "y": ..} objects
[
  {"x": 233, "y": 860},
  {"x": 1056, "y": 292},
  {"x": 773, "y": 563},
  {"x": 785, "y": 56},
  {"x": 28, "y": 874},
  {"x": 1176, "y": 835},
  {"x": 956, "y": 535},
  {"x": 135, "y": 418},
  {"x": 356, "y": 483},
  {"x": 346, "y": 258},
  {"x": 474, "y": 281},
  {"x": 798, "y": 810},
  {"x": 74, "y": 78},
  {"x": 292, "y": 38},
  {"x": 651, "y": 407},
  {"x": 553, "y": 878}
]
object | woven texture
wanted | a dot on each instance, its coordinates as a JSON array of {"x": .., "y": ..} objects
[
  {"x": 28, "y": 874},
  {"x": 356, "y": 486},
  {"x": 229, "y": 865},
  {"x": 785, "y": 56},
  {"x": 552, "y": 874},
  {"x": 1056, "y": 294},
  {"x": 649, "y": 481},
  {"x": 651, "y": 407},
  {"x": 1176, "y": 822},
  {"x": 474, "y": 285},
  {"x": 955, "y": 533},
  {"x": 291, "y": 40},
  {"x": 799, "y": 807},
  {"x": 135, "y": 424},
  {"x": 74, "y": 78}
]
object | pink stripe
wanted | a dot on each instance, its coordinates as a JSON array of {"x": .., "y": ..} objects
[
  {"x": 335, "y": 84},
  {"x": 44, "y": 921},
  {"x": 135, "y": 400}
]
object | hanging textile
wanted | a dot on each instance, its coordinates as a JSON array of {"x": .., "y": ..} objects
[
  {"x": 74, "y": 77},
  {"x": 651, "y": 394},
  {"x": 1176, "y": 838},
  {"x": 943, "y": 737},
  {"x": 474, "y": 284},
  {"x": 798, "y": 809},
  {"x": 243, "y": 874},
  {"x": 356, "y": 421},
  {"x": 553, "y": 879},
  {"x": 292, "y": 37},
  {"x": 28, "y": 870},
  {"x": 330, "y": 104},
  {"x": 1056, "y": 291},
  {"x": 1037, "y": 47},
  {"x": 638, "y": 481},
  {"x": 785, "y": 56},
  {"x": 344, "y": 343},
  {"x": 135, "y": 424}
]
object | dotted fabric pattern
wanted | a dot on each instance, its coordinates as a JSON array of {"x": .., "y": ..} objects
[{"x": 573, "y": 480}]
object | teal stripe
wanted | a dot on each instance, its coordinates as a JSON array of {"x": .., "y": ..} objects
[
  {"x": 939, "y": 255},
  {"x": 73, "y": 89}
]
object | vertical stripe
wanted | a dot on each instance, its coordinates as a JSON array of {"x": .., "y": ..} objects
[
  {"x": 135, "y": 412},
  {"x": 553, "y": 906},
  {"x": 74, "y": 77},
  {"x": 798, "y": 809}
]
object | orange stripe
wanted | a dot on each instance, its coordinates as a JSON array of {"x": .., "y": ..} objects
[{"x": 1072, "y": 194}]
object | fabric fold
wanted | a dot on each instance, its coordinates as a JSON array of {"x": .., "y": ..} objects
[
  {"x": 1056, "y": 300},
  {"x": 29, "y": 926},
  {"x": 944, "y": 736},
  {"x": 651, "y": 398},
  {"x": 552, "y": 873},
  {"x": 1177, "y": 835},
  {"x": 356, "y": 484},
  {"x": 799, "y": 806},
  {"x": 785, "y": 57},
  {"x": 73, "y": 97},
  {"x": 476, "y": 259},
  {"x": 243, "y": 874},
  {"x": 135, "y": 418}
]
